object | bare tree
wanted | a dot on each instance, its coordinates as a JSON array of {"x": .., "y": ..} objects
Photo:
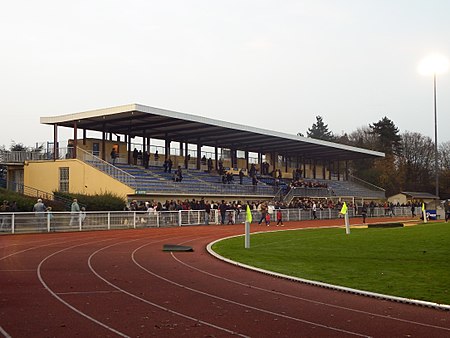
[
  {"x": 416, "y": 161},
  {"x": 444, "y": 155}
]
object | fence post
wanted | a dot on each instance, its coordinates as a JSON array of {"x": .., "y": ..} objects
[
  {"x": 13, "y": 223},
  {"x": 179, "y": 217},
  {"x": 134, "y": 219},
  {"x": 79, "y": 220},
  {"x": 48, "y": 221},
  {"x": 109, "y": 220},
  {"x": 157, "y": 218}
]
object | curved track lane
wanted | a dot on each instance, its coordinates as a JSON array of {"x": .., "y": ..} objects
[{"x": 121, "y": 284}]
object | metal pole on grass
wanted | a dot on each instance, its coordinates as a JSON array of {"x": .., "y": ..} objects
[
  {"x": 248, "y": 220},
  {"x": 344, "y": 211},
  {"x": 347, "y": 224},
  {"x": 424, "y": 213},
  {"x": 247, "y": 235}
]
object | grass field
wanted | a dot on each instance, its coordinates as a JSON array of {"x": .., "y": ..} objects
[{"x": 411, "y": 262}]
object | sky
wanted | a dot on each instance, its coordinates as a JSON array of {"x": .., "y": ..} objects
[{"x": 264, "y": 63}]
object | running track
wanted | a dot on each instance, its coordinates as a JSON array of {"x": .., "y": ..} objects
[{"x": 121, "y": 284}]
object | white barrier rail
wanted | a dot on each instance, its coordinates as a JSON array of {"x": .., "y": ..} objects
[{"x": 31, "y": 222}]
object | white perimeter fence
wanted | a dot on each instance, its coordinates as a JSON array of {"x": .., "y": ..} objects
[{"x": 31, "y": 222}]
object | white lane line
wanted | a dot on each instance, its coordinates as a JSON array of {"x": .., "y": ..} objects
[
  {"x": 37, "y": 247},
  {"x": 66, "y": 303},
  {"x": 241, "y": 304},
  {"x": 86, "y": 292},
  {"x": 309, "y": 300},
  {"x": 151, "y": 303},
  {"x": 4, "y": 333},
  {"x": 331, "y": 286}
]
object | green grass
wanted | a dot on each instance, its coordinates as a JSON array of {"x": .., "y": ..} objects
[{"x": 411, "y": 262}]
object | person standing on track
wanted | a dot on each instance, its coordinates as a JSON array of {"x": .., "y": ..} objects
[
  {"x": 447, "y": 210},
  {"x": 223, "y": 211},
  {"x": 364, "y": 212},
  {"x": 74, "y": 213},
  {"x": 263, "y": 209},
  {"x": 39, "y": 210},
  {"x": 279, "y": 217}
]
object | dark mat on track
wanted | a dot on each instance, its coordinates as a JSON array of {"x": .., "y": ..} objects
[
  {"x": 385, "y": 225},
  {"x": 174, "y": 247}
]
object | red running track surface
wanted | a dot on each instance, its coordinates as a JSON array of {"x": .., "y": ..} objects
[{"x": 121, "y": 284}]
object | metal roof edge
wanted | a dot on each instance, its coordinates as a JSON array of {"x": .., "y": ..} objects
[
  {"x": 204, "y": 120},
  {"x": 231, "y": 125},
  {"x": 87, "y": 114}
]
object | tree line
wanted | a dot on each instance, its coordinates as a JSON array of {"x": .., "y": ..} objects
[{"x": 409, "y": 162}]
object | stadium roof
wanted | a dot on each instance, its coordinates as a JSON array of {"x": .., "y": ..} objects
[
  {"x": 419, "y": 195},
  {"x": 142, "y": 121}
]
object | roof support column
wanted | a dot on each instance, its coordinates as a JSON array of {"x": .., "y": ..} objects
[
  {"x": 186, "y": 153},
  {"x": 55, "y": 142},
  {"x": 323, "y": 170},
  {"x": 338, "y": 170},
  {"x": 216, "y": 154},
  {"x": 233, "y": 158},
  {"x": 274, "y": 161},
  {"x": 199, "y": 155},
  {"x": 246, "y": 160},
  {"x": 304, "y": 168},
  {"x": 329, "y": 170},
  {"x": 75, "y": 141},
  {"x": 84, "y": 137},
  {"x": 314, "y": 168},
  {"x": 167, "y": 148},
  {"x": 103, "y": 143},
  {"x": 129, "y": 149},
  {"x": 144, "y": 144},
  {"x": 346, "y": 170}
]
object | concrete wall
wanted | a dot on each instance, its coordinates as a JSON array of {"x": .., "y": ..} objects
[{"x": 83, "y": 178}]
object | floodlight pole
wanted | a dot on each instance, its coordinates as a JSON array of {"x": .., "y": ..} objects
[
  {"x": 347, "y": 224},
  {"x": 436, "y": 156}
]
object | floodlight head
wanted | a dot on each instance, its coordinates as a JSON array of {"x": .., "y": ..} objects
[{"x": 433, "y": 64}]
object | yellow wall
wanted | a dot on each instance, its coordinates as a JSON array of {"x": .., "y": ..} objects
[
  {"x": 83, "y": 178},
  {"x": 89, "y": 147}
]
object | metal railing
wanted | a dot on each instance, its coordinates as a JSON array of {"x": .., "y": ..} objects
[
  {"x": 34, "y": 222},
  {"x": 204, "y": 188},
  {"x": 306, "y": 192},
  {"x": 29, "y": 191},
  {"x": 33, "y": 192},
  {"x": 106, "y": 167},
  {"x": 366, "y": 184},
  {"x": 22, "y": 156}
]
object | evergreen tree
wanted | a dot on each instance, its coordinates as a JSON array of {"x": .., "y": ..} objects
[
  {"x": 388, "y": 138},
  {"x": 319, "y": 130}
]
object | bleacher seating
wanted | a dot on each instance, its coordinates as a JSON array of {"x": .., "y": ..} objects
[{"x": 154, "y": 179}]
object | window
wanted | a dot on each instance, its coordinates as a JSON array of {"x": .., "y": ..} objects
[{"x": 64, "y": 179}]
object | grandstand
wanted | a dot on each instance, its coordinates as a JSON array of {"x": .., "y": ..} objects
[{"x": 84, "y": 165}]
